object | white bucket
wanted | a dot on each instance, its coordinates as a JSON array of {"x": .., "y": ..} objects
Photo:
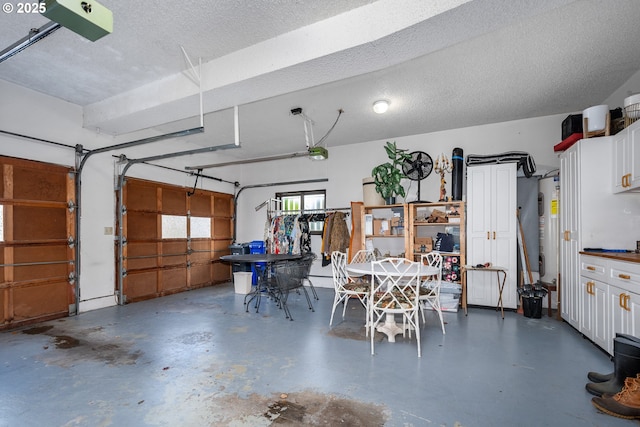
[
  {"x": 597, "y": 117},
  {"x": 242, "y": 282},
  {"x": 369, "y": 195}
]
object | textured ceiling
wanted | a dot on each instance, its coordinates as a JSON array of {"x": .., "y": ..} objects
[{"x": 443, "y": 65}]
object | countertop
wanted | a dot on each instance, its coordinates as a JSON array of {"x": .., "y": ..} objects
[{"x": 619, "y": 256}]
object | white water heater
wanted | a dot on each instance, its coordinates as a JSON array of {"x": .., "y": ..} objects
[{"x": 549, "y": 226}]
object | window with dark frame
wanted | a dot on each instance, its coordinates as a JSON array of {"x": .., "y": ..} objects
[{"x": 305, "y": 202}]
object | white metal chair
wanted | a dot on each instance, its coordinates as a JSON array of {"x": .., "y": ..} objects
[
  {"x": 360, "y": 257},
  {"x": 394, "y": 290},
  {"x": 430, "y": 286},
  {"x": 363, "y": 255},
  {"x": 344, "y": 289}
]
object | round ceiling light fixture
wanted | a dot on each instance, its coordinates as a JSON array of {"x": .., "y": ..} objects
[{"x": 381, "y": 106}]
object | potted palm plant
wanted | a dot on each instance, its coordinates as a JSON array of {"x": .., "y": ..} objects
[{"x": 387, "y": 176}]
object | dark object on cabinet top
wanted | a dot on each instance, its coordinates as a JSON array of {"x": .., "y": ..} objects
[
  {"x": 572, "y": 124},
  {"x": 524, "y": 160}
]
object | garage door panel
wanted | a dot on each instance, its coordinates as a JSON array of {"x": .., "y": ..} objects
[
  {"x": 34, "y": 283},
  {"x": 39, "y": 184},
  {"x": 141, "y": 285},
  {"x": 221, "y": 271},
  {"x": 200, "y": 205},
  {"x": 174, "y": 202},
  {"x": 201, "y": 250},
  {"x": 176, "y": 268},
  {"x": 141, "y": 196},
  {"x": 174, "y": 252},
  {"x": 39, "y": 223},
  {"x": 200, "y": 274},
  {"x": 174, "y": 279},
  {"x": 220, "y": 248},
  {"x": 142, "y": 255},
  {"x": 222, "y": 205},
  {"x": 3, "y": 300},
  {"x": 221, "y": 228},
  {"x": 33, "y": 255},
  {"x": 40, "y": 300},
  {"x": 141, "y": 226}
]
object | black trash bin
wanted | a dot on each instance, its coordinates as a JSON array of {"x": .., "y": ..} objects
[
  {"x": 532, "y": 300},
  {"x": 532, "y": 307}
]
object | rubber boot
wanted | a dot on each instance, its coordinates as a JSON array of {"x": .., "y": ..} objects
[
  {"x": 625, "y": 404},
  {"x": 626, "y": 363},
  {"x": 595, "y": 377}
]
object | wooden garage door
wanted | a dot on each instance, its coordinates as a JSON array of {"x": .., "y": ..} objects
[
  {"x": 36, "y": 258},
  {"x": 174, "y": 241}
]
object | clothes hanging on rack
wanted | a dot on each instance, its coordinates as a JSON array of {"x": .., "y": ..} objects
[
  {"x": 335, "y": 236},
  {"x": 288, "y": 234},
  {"x": 291, "y": 233}
]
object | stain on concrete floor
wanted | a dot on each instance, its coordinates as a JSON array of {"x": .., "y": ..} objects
[
  {"x": 90, "y": 344},
  {"x": 306, "y": 408},
  {"x": 352, "y": 331}
]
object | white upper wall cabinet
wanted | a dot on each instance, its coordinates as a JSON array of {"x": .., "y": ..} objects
[{"x": 626, "y": 159}]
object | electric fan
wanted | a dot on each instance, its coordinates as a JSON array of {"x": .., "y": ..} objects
[{"x": 417, "y": 168}]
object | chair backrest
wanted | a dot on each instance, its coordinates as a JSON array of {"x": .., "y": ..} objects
[
  {"x": 289, "y": 274},
  {"x": 307, "y": 259},
  {"x": 396, "y": 285},
  {"x": 432, "y": 259},
  {"x": 363, "y": 255},
  {"x": 339, "y": 269}
]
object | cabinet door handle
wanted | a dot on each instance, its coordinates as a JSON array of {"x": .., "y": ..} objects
[
  {"x": 494, "y": 235},
  {"x": 624, "y": 276},
  {"x": 488, "y": 235},
  {"x": 590, "y": 268},
  {"x": 566, "y": 235},
  {"x": 620, "y": 298},
  {"x": 628, "y": 179},
  {"x": 626, "y": 302},
  {"x": 590, "y": 288}
]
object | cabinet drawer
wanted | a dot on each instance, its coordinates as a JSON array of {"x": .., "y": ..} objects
[
  {"x": 593, "y": 267},
  {"x": 625, "y": 275}
]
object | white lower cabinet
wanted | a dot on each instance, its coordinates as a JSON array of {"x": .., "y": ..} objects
[
  {"x": 592, "y": 300},
  {"x": 609, "y": 299}
]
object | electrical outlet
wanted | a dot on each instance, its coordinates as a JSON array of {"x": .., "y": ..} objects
[{"x": 108, "y": 231}]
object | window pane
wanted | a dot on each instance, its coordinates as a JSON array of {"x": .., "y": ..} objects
[
  {"x": 291, "y": 203},
  {"x": 174, "y": 227},
  {"x": 200, "y": 227},
  {"x": 304, "y": 202},
  {"x": 314, "y": 201}
]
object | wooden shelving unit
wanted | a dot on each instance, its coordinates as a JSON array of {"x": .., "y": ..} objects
[{"x": 419, "y": 227}]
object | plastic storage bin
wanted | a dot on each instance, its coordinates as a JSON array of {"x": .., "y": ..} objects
[{"x": 257, "y": 247}]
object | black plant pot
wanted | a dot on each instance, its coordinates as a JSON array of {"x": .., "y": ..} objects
[{"x": 390, "y": 200}]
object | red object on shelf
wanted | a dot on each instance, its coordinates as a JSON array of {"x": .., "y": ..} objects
[{"x": 568, "y": 142}]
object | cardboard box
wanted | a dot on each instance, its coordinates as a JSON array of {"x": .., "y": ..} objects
[
  {"x": 397, "y": 221},
  {"x": 381, "y": 227},
  {"x": 423, "y": 241},
  {"x": 423, "y": 244}
]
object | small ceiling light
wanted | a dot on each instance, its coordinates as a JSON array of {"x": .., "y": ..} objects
[{"x": 381, "y": 106}]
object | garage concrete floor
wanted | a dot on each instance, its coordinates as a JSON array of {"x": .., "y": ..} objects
[{"x": 198, "y": 359}]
